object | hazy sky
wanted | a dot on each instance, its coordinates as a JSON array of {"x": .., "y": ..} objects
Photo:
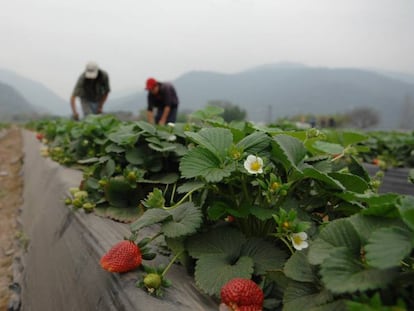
[{"x": 50, "y": 41}]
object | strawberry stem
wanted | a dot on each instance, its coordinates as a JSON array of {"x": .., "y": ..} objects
[{"x": 170, "y": 264}]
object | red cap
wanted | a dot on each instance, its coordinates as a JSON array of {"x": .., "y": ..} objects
[{"x": 151, "y": 83}]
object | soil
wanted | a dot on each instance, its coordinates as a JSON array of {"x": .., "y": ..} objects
[{"x": 11, "y": 157}]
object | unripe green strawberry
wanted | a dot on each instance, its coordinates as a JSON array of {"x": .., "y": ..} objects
[
  {"x": 152, "y": 281},
  {"x": 80, "y": 195},
  {"x": 88, "y": 207},
  {"x": 77, "y": 203},
  {"x": 73, "y": 190},
  {"x": 102, "y": 182},
  {"x": 132, "y": 176}
]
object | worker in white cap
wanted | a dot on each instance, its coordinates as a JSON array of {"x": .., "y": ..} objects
[{"x": 92, "y": 88}]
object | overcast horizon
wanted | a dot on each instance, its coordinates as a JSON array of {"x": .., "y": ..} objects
[{"x": 50, "y": 42}]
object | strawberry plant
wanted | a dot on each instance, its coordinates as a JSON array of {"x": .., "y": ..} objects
[
  {"x": 389, "y": 149},
  {"x": 294, "y": 211}
]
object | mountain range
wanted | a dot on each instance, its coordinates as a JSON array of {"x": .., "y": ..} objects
[
  {"x": 40, "y": 97},
  {"x": 9, "y": 95},
  {"x": 266, "y": 92},
  {"x": 275, "y": 91}
]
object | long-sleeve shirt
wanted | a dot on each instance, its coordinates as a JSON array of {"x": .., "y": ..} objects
[
  {"x": 92, "y": 89},
  {"x": 167, "y": 96}
]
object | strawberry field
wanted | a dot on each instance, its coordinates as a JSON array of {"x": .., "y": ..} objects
[{"x": 259, "y": 217}]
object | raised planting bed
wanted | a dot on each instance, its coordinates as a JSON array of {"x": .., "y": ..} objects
[
  {"x": 394, "y": 180},
  {"x": 61, "y": 264}
]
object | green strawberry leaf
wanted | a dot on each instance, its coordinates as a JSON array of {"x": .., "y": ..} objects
[
  {"x": 381, "y": 205},
  {"x": 217, "y": 241},
  {"x": 298, "y": 268},
  {"x": 208, "y": 112},
  {"x": 190, "y": 186},
  {"x": 325, "y": 178},
  {"x": 406, "y": 209},
  {"x": 108, "y": 169},
  {"x": 114, "y": 148},
  {"x": 266, "y": 256},
  {"x": 146, "y": 127},
  {"x": 214, "y": 271},
  {"x": 328, "y": 147},
  {"x": 254, "y": 143},
  {"x": 119, "y": 193},
  {"x": 356, "y": 168},
  {"x": 200, "y": 162},
  {"x": 304, "y": 296},
  {"x": 185, "y": 220},
  {"x": 343, "y": 273},
  {"x": 351, "y": 182},
  {"x": 124, "y": 135},
  {"x": 162, "y": 146},
  {"x": 338, "y": 233},
  {"x": 124, "y": 215},
  {"x": 366, "y": 225},
  {"x": 288, "y": 150},
  {"x": 216, "y": 140},
  {"x": 346, "y": 138},
  {"x": 262, "y": 213},
  {"x": 135, "y": 156},
  {"x": 150, "y": 217},
  {"x": 217, "y": 210},
  {"x": 387, "y": 247}
]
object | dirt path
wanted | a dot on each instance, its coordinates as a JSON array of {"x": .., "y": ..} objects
[{"x": 11, "y": 157}]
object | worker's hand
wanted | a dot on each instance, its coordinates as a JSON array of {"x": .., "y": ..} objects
[
  {"x": 99, "y": 111},
  {"x": 75, "y": 116}
]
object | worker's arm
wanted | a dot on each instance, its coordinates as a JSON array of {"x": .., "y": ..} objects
[
  {"x": 102, "y": 102},
  {"x": 73, "y": 106},
  {"x": 165, "y": 115},
  {"x": 150, "y": 116}
]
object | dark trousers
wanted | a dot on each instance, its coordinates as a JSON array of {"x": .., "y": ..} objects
[{"x": 172, "y": 117}]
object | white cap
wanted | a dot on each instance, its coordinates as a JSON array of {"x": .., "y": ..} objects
[{"x": 91, "y": 71}]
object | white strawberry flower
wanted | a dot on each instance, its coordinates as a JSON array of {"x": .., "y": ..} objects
[
  {"x": 172, "y": 138},
  {"x": 253, "y": 164},
  {"x": 299, "y": 240}
]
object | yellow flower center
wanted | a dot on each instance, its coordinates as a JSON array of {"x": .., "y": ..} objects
[
  {"x": 255, "y": 166},
  {"x": 286, "y": 224},
  {"x": 297, "y": 239}
]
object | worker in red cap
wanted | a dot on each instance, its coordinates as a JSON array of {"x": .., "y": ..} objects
[{"x": 163, "y": 97}]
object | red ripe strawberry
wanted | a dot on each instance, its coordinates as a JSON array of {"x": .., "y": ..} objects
[
  {"x": 39, "y": 136},
  {"x": 242, "y": 295},
  {"x": 122, "y": 257}
]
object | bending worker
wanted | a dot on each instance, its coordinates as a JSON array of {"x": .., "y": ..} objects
[
  {"x": 163, "y": 97},
  {"x": 92, "y": 88}
]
